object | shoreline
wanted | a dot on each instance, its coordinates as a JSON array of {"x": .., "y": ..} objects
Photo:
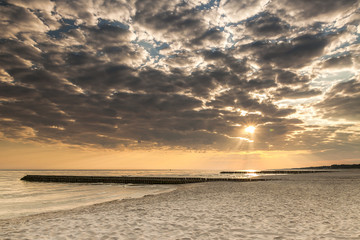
[
  {"x": 45, "y": 213},
  {"x": 83, "y": 208},
  {"x": 297, "y": 207}
]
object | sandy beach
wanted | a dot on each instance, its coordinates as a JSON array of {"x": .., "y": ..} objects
[{"x": 309, "y": 206}]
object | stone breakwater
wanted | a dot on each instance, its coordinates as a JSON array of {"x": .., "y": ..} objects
[{"x": 133, "y": 180}]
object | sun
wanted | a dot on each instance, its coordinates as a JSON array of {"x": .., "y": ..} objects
[{"x": 250, "y": 129}]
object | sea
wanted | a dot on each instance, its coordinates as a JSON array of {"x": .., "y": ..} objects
[{"x": 21, "y": 198}]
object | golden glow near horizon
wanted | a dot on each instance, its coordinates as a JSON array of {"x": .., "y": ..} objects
[
  {"x": 36, "y": 156},
  {"x": 250, "y": 129}
]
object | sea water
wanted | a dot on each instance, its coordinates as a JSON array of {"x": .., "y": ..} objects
[{"x": 21, "y": 198}]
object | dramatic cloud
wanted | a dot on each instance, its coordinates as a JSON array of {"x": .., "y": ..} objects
[
  {"x": 267, "y": 26},
  {"x": 339, "y": 62},
  {"x": 342, "y": 101},
  {"x": 293, "y": 93},
  {"x": 309, "y": 11},
  {"x": 181, "y": 74},
  {"x": 295, "y": 53}
]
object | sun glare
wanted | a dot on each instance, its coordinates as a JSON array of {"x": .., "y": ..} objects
[{"x": 250, "y": 129}]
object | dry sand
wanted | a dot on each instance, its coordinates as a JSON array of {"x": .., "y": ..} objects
[{"x": 311, "y": 206}]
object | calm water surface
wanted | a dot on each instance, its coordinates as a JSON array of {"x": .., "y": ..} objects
[{"x": 20, "y": 198}]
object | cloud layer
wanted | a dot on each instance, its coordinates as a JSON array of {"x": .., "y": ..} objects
[{"x": 181, "y": 74}]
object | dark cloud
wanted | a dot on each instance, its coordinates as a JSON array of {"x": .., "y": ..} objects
[
  {"x": 226, "y": 60},
  {"x": 124, "y": 54},
  {"x": 290, "y": 78},
  {"x": 211, "y": 36},
  {"x": 294, "y": 93},
  {"x": 16, "y": 19},
  {"x": 165, "y": 18},
  {"x": 20, "y": 50},
  {"x": 267, "y": 25},
  {"x": 179, "y": 23},
  {"x": 154, "y": 103},
  {"x": 342, "y": 101},
  {"x": 15, "y": 91},
  {"x": 257, "y": 84},
  {"x": 182, "y": 59},
  {"x": 107, "y": 35},
  {"x": 313, "y": 10},
  {"x": 294, "y": 54},
  {"x": 339, "y": 62}
]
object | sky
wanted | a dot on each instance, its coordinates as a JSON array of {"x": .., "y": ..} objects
[{"x": 176, "y": 84}]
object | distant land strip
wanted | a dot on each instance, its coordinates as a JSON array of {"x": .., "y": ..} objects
[
  {"x": 275, "y": 172},
  {"x": 134, "y": 180},
  {"x": 335, "y": 166}
]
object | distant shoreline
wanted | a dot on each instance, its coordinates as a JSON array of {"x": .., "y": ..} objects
[{"x": 335, "y": 166}]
